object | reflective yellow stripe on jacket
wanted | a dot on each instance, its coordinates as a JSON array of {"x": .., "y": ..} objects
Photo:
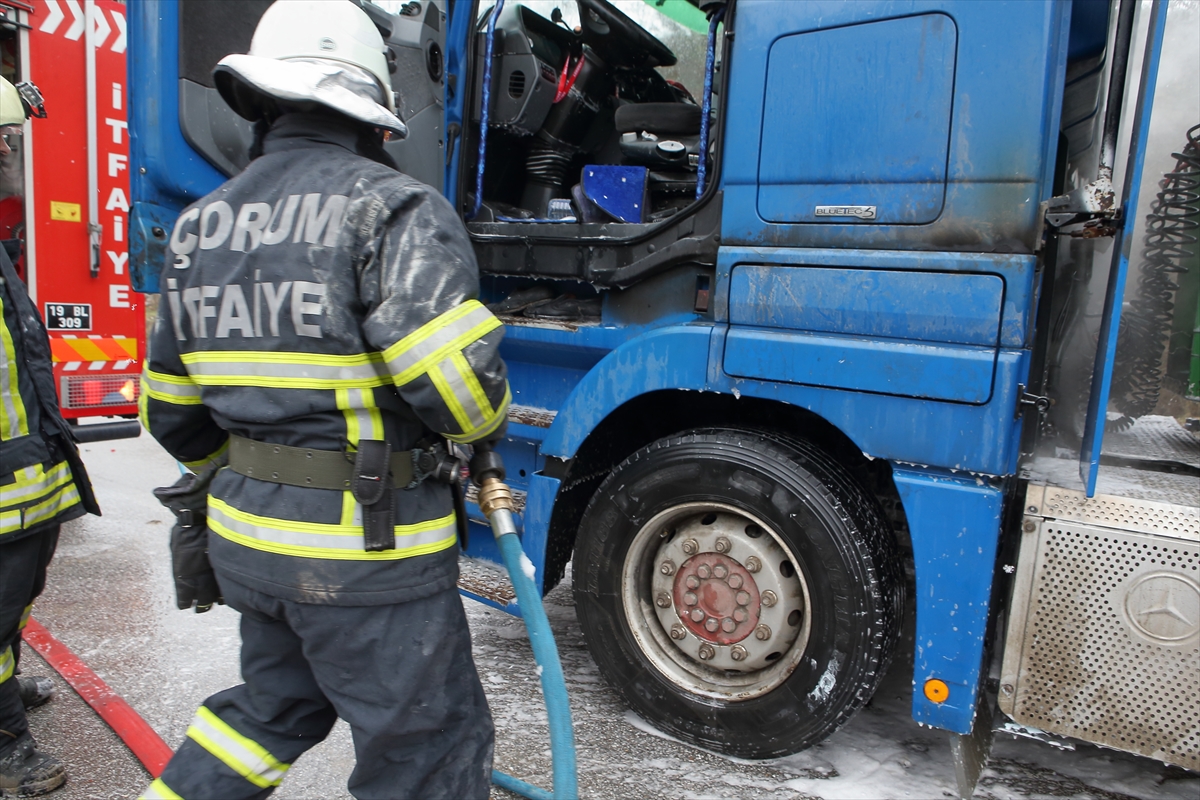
[
  {"x": 323, "y": 540},
  {"x": 13, "y": 422},
  {"x": 37, "y": 495},
  {"x": 271, "y": 370},
  {"x": 244, "y": 756},
  {"x": 435, "y": 349}
]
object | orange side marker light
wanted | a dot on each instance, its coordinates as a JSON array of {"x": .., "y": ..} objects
[{"x": 936, "y": 690}]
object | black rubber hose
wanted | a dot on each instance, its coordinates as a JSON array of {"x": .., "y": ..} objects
[{"x": 1170, "y": 236}]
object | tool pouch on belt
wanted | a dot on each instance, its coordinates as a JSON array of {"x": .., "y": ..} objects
[
  {"x": 372, "y": 487},
  {"x": 195, "y": 582}
]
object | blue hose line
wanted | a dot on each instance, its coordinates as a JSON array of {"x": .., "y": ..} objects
[
  {"x": 706, "y": 103},
  {"x": 554, "y": 686},
  {"x": 519, "y": 786},
  {"x": 484, "y": 112}
]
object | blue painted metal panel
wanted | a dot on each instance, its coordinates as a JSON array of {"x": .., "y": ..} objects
[
  {"x": 953, "y": 372},
  {"x": 459, "y": 42},
  {"x": 1001, "y": 145},
  {"x": 973, "y": 438},
  {"x": 147, "y": 252},
  {"x": 1106, "y": 352},
  {"x": 927, "y": 306},
  {"x": 174, "y": 174},
  {"x": 165, "y": 172},
  {"x": 1017, "y": 272},
  {"x": 882, "y": 143},
  {"x": 955, "y": 525}
]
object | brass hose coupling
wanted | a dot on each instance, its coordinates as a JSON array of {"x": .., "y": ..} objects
[{"x": 494, "y": 495}]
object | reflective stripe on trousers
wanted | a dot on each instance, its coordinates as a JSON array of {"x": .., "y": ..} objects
[
  {"x": 244, "y": 756},
  {"x": 323, "y": 540},
  {"x": 6, "y": 664}
]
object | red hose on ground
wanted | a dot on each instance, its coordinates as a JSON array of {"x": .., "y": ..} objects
[{"x": 139, "y": 737}]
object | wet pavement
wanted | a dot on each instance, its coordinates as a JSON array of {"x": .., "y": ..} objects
[{"x": 110, "y": 599}]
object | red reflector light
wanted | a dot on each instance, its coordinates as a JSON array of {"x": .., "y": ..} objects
[{"x": 98, "y": 391}]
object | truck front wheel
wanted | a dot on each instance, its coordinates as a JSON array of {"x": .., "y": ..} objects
[{"x": 738, "y": 589}]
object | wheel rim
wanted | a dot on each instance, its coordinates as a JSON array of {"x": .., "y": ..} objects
[{"x": 715, "y": 601}]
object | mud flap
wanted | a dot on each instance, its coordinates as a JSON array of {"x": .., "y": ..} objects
[{"x": 970, "y": 751}]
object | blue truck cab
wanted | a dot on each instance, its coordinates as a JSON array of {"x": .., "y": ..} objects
[{"x": 778, "y": 312}]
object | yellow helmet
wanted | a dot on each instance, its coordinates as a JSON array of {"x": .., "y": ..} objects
[
  {"x": 12, "y": 110},
  {"x": 19, "y": 103}
]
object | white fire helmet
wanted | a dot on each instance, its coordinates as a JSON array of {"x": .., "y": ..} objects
[{"x": 318, "y": 51}]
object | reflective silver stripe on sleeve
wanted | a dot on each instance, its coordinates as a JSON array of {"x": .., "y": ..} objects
[
  {"x": 436, "y": 340},
  {"x": 171, "y": 388},
  {"x": 322, "y": 540}
]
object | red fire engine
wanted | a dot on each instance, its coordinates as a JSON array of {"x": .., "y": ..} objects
[{"x": 64, "y": 191}]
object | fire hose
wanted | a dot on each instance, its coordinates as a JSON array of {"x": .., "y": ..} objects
[{"x": 496, "y": 503}]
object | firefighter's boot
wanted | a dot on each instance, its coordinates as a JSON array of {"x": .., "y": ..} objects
[
  {"x": 27, "y": 772},
  {"x": 34, "y": 690}
]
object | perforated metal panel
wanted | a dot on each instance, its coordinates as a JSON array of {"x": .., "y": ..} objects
[{"x": 1104, "y": 639}]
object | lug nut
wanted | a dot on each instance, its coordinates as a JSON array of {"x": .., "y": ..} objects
[
  {"x": 692, "y": 582},
  {"x": 697, "y": 615},
  {"x": 768, "y": 598},
  {"x": 728, "y": 625},
  {"x": 711, "y": 624},
  {"x": 720, "y": 571},
  {"x": 690, "y": 546},
  {"x": 753, "y": 564},
  {"x": 704, "y": 571},
  {"x": 663, "y": 600},
  {"x": 667, "y": 568},
  {"x": 762, "y": 633},
  {"x": 678, "y": 632},
  {"x": 707, "y": 652},
  {"x": 743, "y": 598},
  {"x": 739, "y": 614},
  {"x": 689, "y": 598},
  {"x": 735, "y": 581},
  {"x": 738, "y": 653},
  {"x": 722, "y": 545}
]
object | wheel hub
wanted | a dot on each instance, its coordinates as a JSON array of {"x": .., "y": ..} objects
[
  {"x": 716, "y": 598},
  {"x": 721, "y": 605}
]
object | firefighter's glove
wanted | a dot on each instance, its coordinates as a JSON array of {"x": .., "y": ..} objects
[{"x": 195, "y": 582}]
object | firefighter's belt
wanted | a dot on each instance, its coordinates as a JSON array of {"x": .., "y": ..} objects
[{"x": 316, "y": 469}]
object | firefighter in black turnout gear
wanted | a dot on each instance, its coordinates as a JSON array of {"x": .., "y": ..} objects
[
  {"x": 43, "y": 484},
  {"x": 319, "y": 329}
]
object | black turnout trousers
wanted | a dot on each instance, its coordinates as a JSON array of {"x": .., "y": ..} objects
[
  {"x": 401, "y": 675},
  {"x": 22, "y": 577}
]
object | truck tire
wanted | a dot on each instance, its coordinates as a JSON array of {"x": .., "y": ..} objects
[{"x": 738, "y": 589}]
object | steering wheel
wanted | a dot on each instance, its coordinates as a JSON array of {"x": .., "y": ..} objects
[{"x": 618, "y": 39}]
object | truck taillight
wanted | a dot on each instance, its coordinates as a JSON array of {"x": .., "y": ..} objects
[{"x": 88, "y": 391}]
